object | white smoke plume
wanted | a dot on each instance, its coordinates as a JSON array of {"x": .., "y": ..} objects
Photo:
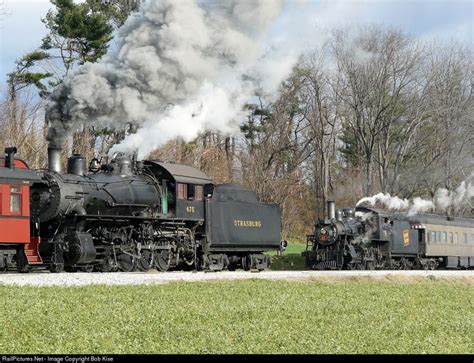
[
  {"x": 443, "y": 199},
  {"x": 387, "y": 200},
  {"x": 420, "y": 205},
  {"x": 363, "y": 216},
  {"x": 179, "y": 68}
]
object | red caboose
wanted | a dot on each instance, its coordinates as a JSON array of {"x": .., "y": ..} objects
[{"x": 19, "y": 240}]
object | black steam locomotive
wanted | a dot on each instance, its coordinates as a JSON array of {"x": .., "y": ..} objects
[
  {"x": 367, "y": 238},
  {"x": 132, "y": 215}
]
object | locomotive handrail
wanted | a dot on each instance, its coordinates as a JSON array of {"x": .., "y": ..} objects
[{"x": 119, "y": 205}]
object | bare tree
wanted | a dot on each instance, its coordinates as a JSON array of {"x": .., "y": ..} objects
[
  {"x": 376, "y": 71},
  {"x": 321, "y": 114},
  {"x": 446, "y": 137},
  {"x": 25, "y": 130}
]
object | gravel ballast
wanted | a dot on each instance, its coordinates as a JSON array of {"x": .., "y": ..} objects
[{"x": 136, "y": 278}]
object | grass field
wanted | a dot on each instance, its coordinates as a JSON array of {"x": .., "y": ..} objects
[
  {"x": 291, "y": 259},
  {"x": 250, "y": 316}
]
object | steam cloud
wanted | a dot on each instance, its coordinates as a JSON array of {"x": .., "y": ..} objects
[
  {"x": 443, "y": 199},
  {"x": 179, "y": 68}
]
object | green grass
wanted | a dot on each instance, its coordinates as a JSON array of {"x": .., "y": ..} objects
[
  {"x": 251, "y": 316},
  {"x": 291, "y": 259}
]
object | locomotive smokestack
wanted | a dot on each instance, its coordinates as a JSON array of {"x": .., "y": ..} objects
[
  {"x": 55, "y": 140},
  {"x": 10, "y": 157},
  {"x": 54, "y": 158},
  {"x": 331, "y": 209}
]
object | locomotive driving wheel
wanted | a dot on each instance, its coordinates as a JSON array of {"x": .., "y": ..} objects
[
  {"x": 146, "y": 261},
  {"x": 163, "y": 256},
  {"x": 126, "y": 262}
]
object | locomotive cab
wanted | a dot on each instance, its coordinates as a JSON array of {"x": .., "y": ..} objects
[{"x": 182, "y": 189}]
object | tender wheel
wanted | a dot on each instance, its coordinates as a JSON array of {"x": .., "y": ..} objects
[
  {"x": 247, "y": 263},
  {"x": 145, "y": 263},
  {"x": 126, "y": 263},
  {"x": 162, "y": 260}
]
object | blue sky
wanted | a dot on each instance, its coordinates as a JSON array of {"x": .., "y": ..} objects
[{"x": 21, "y": 28}]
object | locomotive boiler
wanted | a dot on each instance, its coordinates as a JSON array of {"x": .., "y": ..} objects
[{"x": 336, "y": 241}]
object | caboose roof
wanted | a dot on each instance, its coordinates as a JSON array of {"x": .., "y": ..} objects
[
  {"x": 179, "y": 172},
  {"x": 17, "y": 174}
]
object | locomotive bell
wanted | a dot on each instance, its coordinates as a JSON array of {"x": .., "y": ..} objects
[{"x": 77, "y": 165}]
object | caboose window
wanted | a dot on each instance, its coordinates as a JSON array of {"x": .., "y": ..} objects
[
  {"x": 182, "y": 191},
  {"x": 15, "y": 199}
]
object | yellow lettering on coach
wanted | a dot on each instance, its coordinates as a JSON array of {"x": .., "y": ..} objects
[
  {"x": 190, "y": 209},
  {"x": 406, "y": 237}
]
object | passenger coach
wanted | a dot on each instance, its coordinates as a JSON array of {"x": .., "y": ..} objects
[{"x": 445, "y": 242}]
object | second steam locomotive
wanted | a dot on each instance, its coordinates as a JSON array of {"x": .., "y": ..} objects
[
  {"x": 367, "y": 238},
  {"x": 131, "y": 215}
]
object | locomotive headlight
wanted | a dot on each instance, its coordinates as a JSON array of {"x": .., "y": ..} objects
[{"x": 323, "y": 231}]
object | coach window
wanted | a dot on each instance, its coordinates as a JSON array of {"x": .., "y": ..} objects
[
  {"x": 438, "y": 237},
  {"x": 444, "y": 237},
  {"x": 450, "y": 236},
  {"x": 182, "y": 191},
  {"x": 433, "y": 237},
  {"x": 465, "y": 238},
  {"x": 472, "y": 239},
  {"x": 455, "y": 238},
  {"x": 15, "y": 199}
]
